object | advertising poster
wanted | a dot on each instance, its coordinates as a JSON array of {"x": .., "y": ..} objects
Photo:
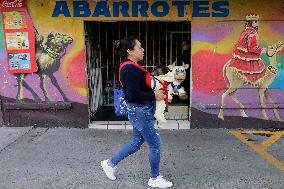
[
  {"x": 19, "y": 61},
  {"x": 15, "y": 20},
  {"x": 19, "y": 37},
  {"x": 17, "y": 40}
]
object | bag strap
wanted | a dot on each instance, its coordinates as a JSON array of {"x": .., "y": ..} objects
[{"x": 134, "y": 64}]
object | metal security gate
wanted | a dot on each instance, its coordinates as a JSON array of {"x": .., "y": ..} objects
[{"x": 161, "y": 41}]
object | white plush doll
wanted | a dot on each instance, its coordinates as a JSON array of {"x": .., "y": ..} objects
[
  {"x": 156, "y": 84},
  {"x": 175, "y": 87}
]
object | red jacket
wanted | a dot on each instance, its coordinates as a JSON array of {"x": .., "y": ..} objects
[
  {"x": 247, "y": 48},
  {"x": 246, "y": 56}
]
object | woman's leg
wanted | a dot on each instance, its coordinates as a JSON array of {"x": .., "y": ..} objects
[
  {"x": 142, "y": 119},
  {"x": 152, "y": 137},
  {"x": 127, "y": 150},
  {"x": 145, "y": 124}
]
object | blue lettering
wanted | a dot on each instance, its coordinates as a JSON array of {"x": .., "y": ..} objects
[
  {"x": 61, "y": 7},
  {"x": 180, "y": 5},
  {"x": 124, "y": 8},
  {"x": 143, "y": 8},
  {"x": 101, "y": 9},
  {"x": 220, "y": 8},
  {"x": 200, "y": 9},
  {"x": 81, "y": 9},
  {"x": 164, "y": 12}
]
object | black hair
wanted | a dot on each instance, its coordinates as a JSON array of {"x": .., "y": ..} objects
[
  {"x": 161, "y": 70},
  {"x": 121, "y": 46},
  {"x": 186, "y": 40}
]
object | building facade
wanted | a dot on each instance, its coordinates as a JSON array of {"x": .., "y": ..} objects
[{"x": 74, "y": 86}]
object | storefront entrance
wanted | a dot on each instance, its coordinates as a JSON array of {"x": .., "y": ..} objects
[{"x": 163, "y": 43}]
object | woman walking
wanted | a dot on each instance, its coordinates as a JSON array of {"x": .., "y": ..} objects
[{"x": 140, "y": 98}]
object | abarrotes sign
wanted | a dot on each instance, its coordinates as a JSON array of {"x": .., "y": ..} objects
[{"x": 139, "y": 8}]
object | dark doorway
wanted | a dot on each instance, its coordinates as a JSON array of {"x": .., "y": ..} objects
[{"x": 162, "y": 44}]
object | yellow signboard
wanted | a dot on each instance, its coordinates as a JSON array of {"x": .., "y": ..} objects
[{"x": 175, "y": 10}]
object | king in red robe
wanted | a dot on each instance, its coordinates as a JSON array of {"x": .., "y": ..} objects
[{"x": 246, "y": 57}]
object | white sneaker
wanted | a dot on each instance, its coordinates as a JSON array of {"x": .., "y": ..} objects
[
  {"x": 109, "y": 171},
  {"x": 159, "y": 182}
]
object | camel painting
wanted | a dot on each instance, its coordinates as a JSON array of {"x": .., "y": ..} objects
[
  {"x": 48, "y": 56},
  {"x": 234, "y": 82}
]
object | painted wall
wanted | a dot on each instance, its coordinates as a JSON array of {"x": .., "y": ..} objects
[
  {"x": 212, "y": 47},
  {"x": 213, "y": 39},
  {"x": 65, "y": 77},
  {"x": 71, "y": 73}
]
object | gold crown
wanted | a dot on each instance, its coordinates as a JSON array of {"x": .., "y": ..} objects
[{"x": 252, "y": 17}]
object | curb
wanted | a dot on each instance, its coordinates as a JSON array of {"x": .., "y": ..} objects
[{"x": 125, "y": 125}]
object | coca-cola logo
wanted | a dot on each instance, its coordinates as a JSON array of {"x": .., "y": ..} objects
[{"x": 12, "y": 3}]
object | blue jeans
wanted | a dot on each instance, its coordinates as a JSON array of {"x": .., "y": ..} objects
[{"x": 142, "y": 119}]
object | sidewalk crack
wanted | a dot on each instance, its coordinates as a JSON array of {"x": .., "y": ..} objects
[{"x": 10, "y": 144}]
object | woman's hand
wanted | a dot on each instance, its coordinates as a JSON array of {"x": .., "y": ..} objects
[{"x": 159, "y": 95}]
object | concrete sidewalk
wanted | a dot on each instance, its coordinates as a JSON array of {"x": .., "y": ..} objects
[
  {"x": 62, "y": 158},
  {"x": 10, "y": 135}
]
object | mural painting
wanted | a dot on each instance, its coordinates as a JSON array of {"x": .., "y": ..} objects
[
  {"x": 253, "y": 83},
  {"x": 245, "y": 63},
  {"x": 48, "y": 56},
  {"x": 246, "y": 66},
  {"x": 57, "y": 92}
]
